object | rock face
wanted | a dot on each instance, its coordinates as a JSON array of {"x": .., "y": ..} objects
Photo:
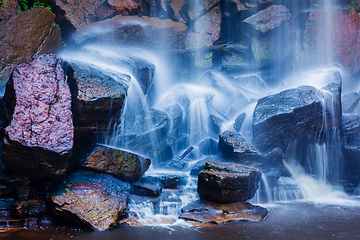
[
  {"x": 126, "y": 7},
  {"x": 97, "y": 97},
  {"x": 40, "y": 37},
  {"x": 95, "y": 200},
  {"x": 39, "y": 140},
  {"x": 281, "y": 118},
  {"x": 124, "y": 165},
  {"x": 228, "y": 182},
  {"x": 344, "y": 32},
  {"x": 152, "y": 33},
  {"x": 206, "y": 212},
  {"x": 233, "y": 146},
  {"x": 269, "y": 18}
]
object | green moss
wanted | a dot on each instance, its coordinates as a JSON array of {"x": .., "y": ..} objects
[{"x": 26, "y": 5}]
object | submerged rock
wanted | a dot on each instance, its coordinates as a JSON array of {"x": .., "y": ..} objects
[
  {"x": 39, "y": 140},
  {"x": 149, "y": 190},
  {"x": 233, "y": 146},
  {"x": 124, "y": 165},
  {"x": 228, "y": 182},
  {"x": 282, "y": 118},
  {"x": 94, "y": 200},
  {"x": 207, "y": 212}
]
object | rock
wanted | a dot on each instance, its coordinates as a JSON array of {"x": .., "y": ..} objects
[
  {"x": 239, "y": 120},
  {"x": 148, "y": 190},
  {"x": 273, "y": 157},
  {"x": 40, "y": 37},
  {"x": 8, "y": 8},
  {"x": 207, "y": 212},
  {"x": 227, "y": 182},
  {"x": 164, "y": 180},
  {"x": 352, "y": 162},
  {"x": 39, "y": 140},
  {"x": 215, "y": 124},
  {"x": 349, "y": 102},
  {"x": 28, "y": 208},
  {"x": 152, "y": 33},
  {"x": 234, "y": 54},
  {"x": 282, "y": 118},
  {"x": 11, "y": 183},
  {"x": 176, "y": 113},
  {"x": 121, "y": 164},
  {"x": 269, "y": 18},
  {"x": 208, "y": 146},
  {"x": 126, "y": 7},
  {"x": 94, "y": 200},
  {"x": 97, "y": 97},
  {"x": 343, "y": 48},
  {"x": 350, "y": 124},
  {"x": 233, "y": 146},
  {"x": 251, "y": 82}
]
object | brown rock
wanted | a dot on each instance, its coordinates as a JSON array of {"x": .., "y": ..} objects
[
  {"x": 125, "y": 7},
  {"x": 28, "y": 208},
  {"x": 94, "y": 200},
  {"x": 39, "y": 140},
  {"x": 40, "y": 37},
  {"x": 207, "y": 212},
  {"x": 228, "y": 182},
  {"x": 123, "y": 165},
  {"x": 7, "y": 9}
]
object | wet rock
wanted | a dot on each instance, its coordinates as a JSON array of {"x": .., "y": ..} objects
[
  {"x": 164, "y": 180},
  {"x": 94, "y": 200},
  {"x": 234, "y": 54},
  {"x": 24, "y": 193},
  {"x": 233, "y": 146},
  {"x": 142, "y": 70},
  {"x": 352, "y": 162},
  {"x": 251, "y": 82},
  {"x": 281, "y": 118},
  {"x": 39, "y": 140},
  {"x": 207, "y": 212},
  {"x": 40, "y": 37},
  {"x": 127, "y": 7},
  {"x": 344, "y": 34},
  {"x": 176, "y": 113},
  {"x": 152, "y": 33},
  {"x": 149, "y": 190},
  {"x": 97, "y": 97},
  {"x": 215, "y": 124},
  {"x": 208, "y": 146},
  {"x": 350, "y": 124},
  {"x": 124, "y": 165},
  {"x": 273, "y": 157},
  {"x": 269, "y": 18},
  {"x": 239, "y": 120},
  {"x": 227, "y": 182},
  {"x": 8, "y": 8},
  {"x": 28, "y": 208},
  {"x": 6, "y": 203},
  {"x": 10, "y": 183},
  {"x": 350, "y": 102}
]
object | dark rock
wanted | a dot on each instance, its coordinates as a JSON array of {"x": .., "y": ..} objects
[
  {"x": 6, "y": 203},
  {"x": 239, "y": 121},
  {"x": 282, "y": 118},
  {"x": 228, "y": 182},
  {"x": 176, "y": 113},
  {"x": 124, "y": 165},
  {"x": 8, "y": 9},
  {"x": 207, "y": 212},
  {"x": 186, "y": 153},
  {"x": 350, "y": 124},
  {"x": 24, "y": 193},
  {"x": 39, "y": 140},
  {"x": 349, "y": 102},
  {"x": 164, "y": 180},
  {"x": 273, "y": 157},
  {"x": 152, "y": 33},
  {"x": 11, "y": 183},
  {"x": 208, "y": 146},
  {"x": 28, "y": 208},
  {"x": 149, "y": 190},
  {"x": 270, "y": 18},
  {"x": 40, "y": 37},
  {"x": 200, "y": 164},
  {"x": 127, "y": 7},
  {"x": 143, "y": 72},
  {"x": 94, "y": 200},
  {"x": 215, "y": 124},
  {"x": 352, "y": 162},
  {"x": 233, "y": 146}
]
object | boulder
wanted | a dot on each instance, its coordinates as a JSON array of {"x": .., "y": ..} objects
[
  {"x": 228, "y": 182},
  {"x": 233, "y": 146},
  {"x": 121, "y": 164},
  {"x": 28, "y": 208},
  {"x": 40, "y": 37},
  {"x": 350, "y": 102},
  {"x": 343, "y": 48},
  {"x": 149, "y": 190},
  {"x": 164, "y": 180},
  {"x": 152, "y": 33},
  {"x": 239, "y": 120},
  {"x": 350, "y": 124},
  {"x": 39, "y": 140},
  {"x": 208, "y": 146},
  {"x": 269, "y": 18},
  {"x": 90, "y": 199},
  {"x": 97, "y": 97},
  {"x": 352, "y": 163},
  {"x": 7, "y": 9},
  {"x": 207, "y": 212},
  {"x": 127, "y": 7},
  {"x": 282, "y": 118}
]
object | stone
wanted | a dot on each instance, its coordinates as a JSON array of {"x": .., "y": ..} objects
[
  {"x": 28, "y": 208},
  {"x": 124, "y": 165},
  {"x": 343, "y": 48},
  {"x": 208, "y": 146},
  {"x": 239, "y": 120},
  {"x": 282, "y": 118},
  {"x": 233, "y": 146},
  {"x": 40, "y": 37},
  {"x": 39, "y": 140},
  {"x": 352, "y": 162},
  {"x": 149, "y": 190},
  {"x": 207, "y": 212},
  {"x": 7, "y": 9},
  {"x": 349, "y": 102},
  {"x": 152, "y": 33},
  {"x": 350, "y": 124},
  {"x": 127, "y": 7},
  {"x": 90, "y": 199},
  {"x": 164, "y": 180},
  {"x": 176, "y": 113},
  {"x": 269, "y": 18},
  {"x": 227, "y": 182}
]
